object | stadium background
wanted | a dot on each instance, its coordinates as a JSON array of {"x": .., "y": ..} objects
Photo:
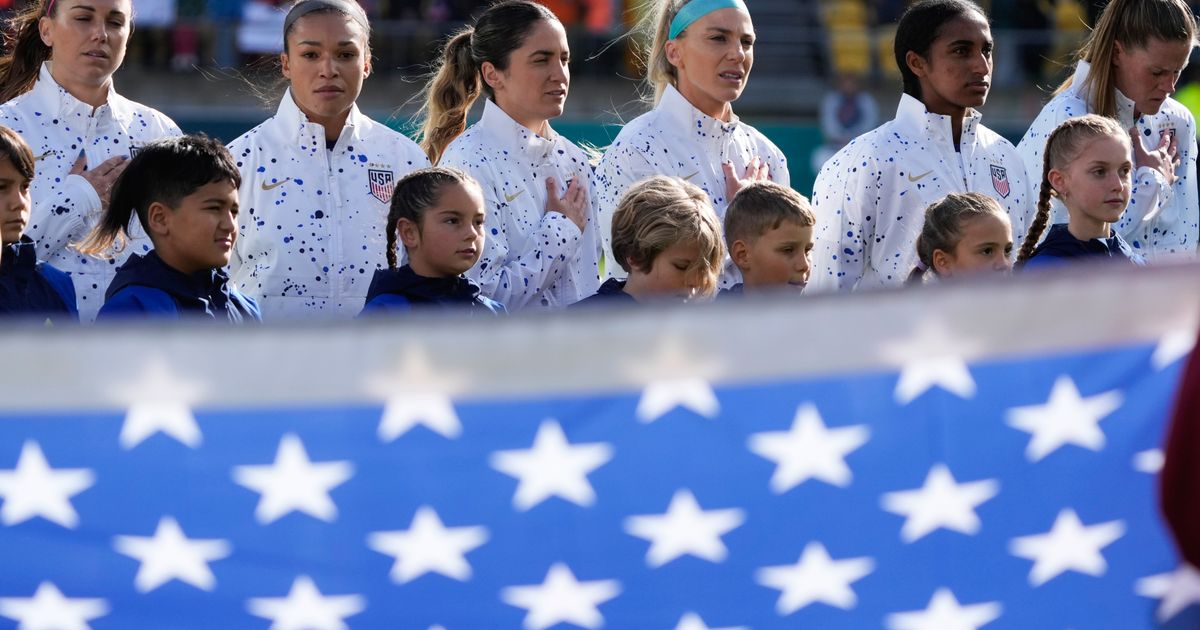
[{"x": 207, "y": 63}]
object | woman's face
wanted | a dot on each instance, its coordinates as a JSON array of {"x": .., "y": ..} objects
[
  {"x": 712, "y": 60},
  {"x": 533, "y": 89},
  {"x": 1147, "y": 75},
  {"x": 326, "y": 60},
  {"x": 956, "y": 73},
  {"x": 87, "y": 39}
]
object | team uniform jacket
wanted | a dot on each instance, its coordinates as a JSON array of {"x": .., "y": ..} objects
[
  {"x": 58, "y": 127},
  {"x": 145, "y": 286},
  {"x": 29, "y": 287},
  {"x": 531, "y": 258},
  {"x": 611, "y": 292},
  {"x": 870, "y": 198},
  {"x": 400, "y": 290},
  {"x": 676, "y": 139},
  {"x": 311, "y": 220},
  {"x": 1061, "y": 246},
  {"x": 1160, "y": 219}
]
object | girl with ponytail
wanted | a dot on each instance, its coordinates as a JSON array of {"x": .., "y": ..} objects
[
  {"x": 1087, "y": 167},
  {"x": 317, "y": 176},
  {"x": 1127, "y": 70},
  {"x": 542, "y": 249},
  {"x": 57, "y": 92},
  {"x": 965, "y": 234}
]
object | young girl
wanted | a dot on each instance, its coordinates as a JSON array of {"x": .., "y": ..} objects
[
  {"x": 542, "y": 248},
  {"x": 185, "y": 193},
  {"x": 318, "y": 176},
  {"x": 1127, "y": 70},
  {"x": 438, "y": 214},
  {"x": 27, "y": 287},
  {"x": 57, "y": 89},
  {"x": 964, "y": 234},
  {"x": 871, "y": 197},
  {"x": 667, "y": 238},
  {"x": 1087, "y": 168},
  {"x": 698, "y": 63}
]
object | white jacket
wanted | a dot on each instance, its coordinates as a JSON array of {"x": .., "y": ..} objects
[
  {"x": 679, "y": 140},
  {"x": 1160, "y": 219},
  {"x": 870, "y": 198},
  {"x": 57, "y": 127},
  {"x": 531, "y": 258},
  {"x": 312, "y": 220}
]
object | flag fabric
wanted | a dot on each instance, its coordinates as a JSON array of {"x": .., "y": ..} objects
[{"x": 987, "y": 490}]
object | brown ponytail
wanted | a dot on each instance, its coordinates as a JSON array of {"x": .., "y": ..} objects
[
  {"x": 454, "y": 88},
  {"x": 1043, "y": 212},
  {"x": 19, "y": 67}
]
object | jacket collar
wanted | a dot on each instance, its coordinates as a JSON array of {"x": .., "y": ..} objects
[
  {"x": 1060, "y": 241},
  {"x": 692, "y": 121},
  {"x": 404, "y": 281},
  {"x": 915, "y": 121},
  {"x": 297, "y": 127},
  {"x": 203, "y": 291},
  {"x": 49, "y": 96},
  {"x": 1125, "y": 106},
  {"x": 18, "y": 257},
  {"x": 514, "y": 135}
]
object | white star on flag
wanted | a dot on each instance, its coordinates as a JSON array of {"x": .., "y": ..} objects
[
  {"x": 662, "y": 396},
  {"x": 169, "y": 555},
  {"x": 692, "y": 621},
  {"x": 33, "y": 488},
  {"x": 932, "y": 357},
  {"x": 815, "y": 578},
  {"x": 685, "y": 529},
  {"x": 561, "y": 598},
  {"x": 416, "y": 394},
  {"x": 1068, "y": 546},
  {"x": 428, "y": 546},
  {"x": 1178, "y": 590},
  {"x": 1172, "y": 347},
  {"x": 159, "y": 400},
  {"x": 940, "y": 503},
  {"x": 920, "y": 375},
  {"x": 48, "y": 609},
  {"x": 1067, "y": 418},
  {"x": 294, "y": 483},
  {"x": 305, "y": 608},
  {"x": 677, "y": 376},
  {"x": 552, "y": 467},
  {"x": 1149, "y": 461},
  {"x": 809, "y": 450},
  {"x": 945, "y": 613}
]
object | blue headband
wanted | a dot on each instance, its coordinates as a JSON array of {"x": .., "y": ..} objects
[{"x": 697, "y": 9}]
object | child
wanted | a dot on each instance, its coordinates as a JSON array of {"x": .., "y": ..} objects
[
  {"x": 666, "y": 236},
  {"x": 26, "y": 286},
  {"x": 964, "y": 234},
  {"x": 438, "y": 213},
  {"x": 185, "y": 193},
  {"x": 769, "y": 230},
  {"x": 1087, "y": 166}
]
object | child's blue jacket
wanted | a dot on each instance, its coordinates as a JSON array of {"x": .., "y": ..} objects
[
  {"x": 145, "y": 286},
  {"x": 396, "y": 290},
  {"x": 28, "y": 287}
]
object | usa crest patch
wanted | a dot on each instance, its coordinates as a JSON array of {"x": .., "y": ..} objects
[
  {"x": 383, "y": 184},
  {"x": 1000, "y": 181}
]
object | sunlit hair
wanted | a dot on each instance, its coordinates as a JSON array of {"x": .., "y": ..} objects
[
  {"x": 658, "y": 212},
  {"x": 763, "y": 206},
  {"x": 417, "y": 192},
  {"x": 945, "y": 222},
  {"x": 1133, "y": 23},
  {"x": 655, "y": 28},
  {"x": 348, "y": 8},
  {"x": 1063, "y": 146}
]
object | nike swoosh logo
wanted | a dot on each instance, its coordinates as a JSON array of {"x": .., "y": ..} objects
[
  {"x": 44, "y": 155},
  {"x": 509, "y": 198},
  {"x": 266, "y": 186},
  {"x": 689, "y": 177},
  {"x": 918, "y": 177}
]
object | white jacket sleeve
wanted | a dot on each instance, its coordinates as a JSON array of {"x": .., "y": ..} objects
[
  {"x": 619, "y": 169},
  {"x": 513, "y": 278},
  {"x": 842, "y": 200},
  {"x": 63, "y": 217}
]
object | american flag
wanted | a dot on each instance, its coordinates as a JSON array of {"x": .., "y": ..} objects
[{"x": 986, "y": 490}]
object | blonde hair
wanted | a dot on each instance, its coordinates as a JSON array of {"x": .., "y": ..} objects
[
  {"x": 659, "y": 212},
  {"x": 1133, "y": 23},
  {"x": 944, "y": 222},
  {"x": 763, "y": 206},
  {"x": 655, "y": 27},
  {"x": 1063, "y": 146}
]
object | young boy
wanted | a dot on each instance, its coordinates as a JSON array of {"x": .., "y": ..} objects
[
  {"x": 666, "y": 236},
  {"x": 769, "y": 229},
  {"x": 438, "y": 214},
  {"x": 27, "y": 287},
  {"x": 185, "y": 193}
]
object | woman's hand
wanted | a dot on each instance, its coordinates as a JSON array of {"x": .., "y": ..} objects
[
  {"x": 756, "y": 171},
  {"x": 573, "y": 204},
  {"x": 1164, "y": 159},
  {"x": 103, "y": 176}
]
